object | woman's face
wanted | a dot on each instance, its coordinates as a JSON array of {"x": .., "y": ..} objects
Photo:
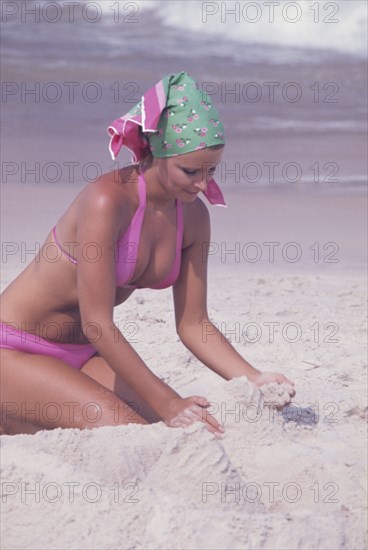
[{"x": 184, "y": 176}]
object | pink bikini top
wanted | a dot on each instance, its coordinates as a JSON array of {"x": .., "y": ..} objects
[{"x": 127, "y": 247}]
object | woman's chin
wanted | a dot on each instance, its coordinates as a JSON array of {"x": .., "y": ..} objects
[{"x": 190, "y": 196}]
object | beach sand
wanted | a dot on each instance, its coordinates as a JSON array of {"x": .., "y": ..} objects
[
  {"x": 267, "y": 483},
  {"x": 286, "y": 285}
]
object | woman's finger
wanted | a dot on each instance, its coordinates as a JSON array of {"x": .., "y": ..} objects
[
  {"x": 183, "y": 419},
  {"x": 196, "y": 411},
  {"x": 191, "y": 414},
  {"x": 208, "y": 419},
  {"x": 213, "y": 424},
  {"x": 290, "y": 389},
  {"x": 201, "y": 401}
]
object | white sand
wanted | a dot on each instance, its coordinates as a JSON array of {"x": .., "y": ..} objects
[{"x": 157, "y": 487}]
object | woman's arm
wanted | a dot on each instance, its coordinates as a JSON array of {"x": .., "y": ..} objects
[
  {"x": 213, "y": 349},
  {"x": 99, "y": 222},
  {"x": 193, "y": 326}
]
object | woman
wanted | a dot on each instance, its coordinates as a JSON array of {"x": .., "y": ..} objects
[{"x": 86, "y": 374}]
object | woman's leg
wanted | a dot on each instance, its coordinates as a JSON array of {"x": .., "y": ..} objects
[
  {"x": 98, "y": 369},
  {"x": 41, "y": 392}
]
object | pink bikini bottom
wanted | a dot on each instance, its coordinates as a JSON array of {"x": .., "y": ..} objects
[{"x": 75, "y": 355}]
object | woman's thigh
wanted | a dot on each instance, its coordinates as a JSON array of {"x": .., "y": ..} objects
[
  {"x": 45, "y": 393},
  {"x": 98, "y": 369}
]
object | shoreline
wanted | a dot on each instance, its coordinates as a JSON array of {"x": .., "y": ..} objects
[{"x": 260, "y": 230}]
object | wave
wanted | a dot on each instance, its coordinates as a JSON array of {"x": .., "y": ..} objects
[{"x": 338, "y": 26}]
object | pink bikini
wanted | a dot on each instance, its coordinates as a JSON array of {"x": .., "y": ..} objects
[
  {"x": 76, "y": 355},
  {"x": 127, "y": 247}
]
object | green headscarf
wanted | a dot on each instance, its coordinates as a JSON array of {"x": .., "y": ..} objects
[
  {"x": 172, "y": 118},
  {"x": 189, "y": 121}
]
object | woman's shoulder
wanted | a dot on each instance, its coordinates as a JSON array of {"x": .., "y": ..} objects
[
  {"x": 121, "y": 180},
  {"x": 107, "y": 202},
  {"x": 116, "y": 189}
]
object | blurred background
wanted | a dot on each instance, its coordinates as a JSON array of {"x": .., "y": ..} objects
[{"x": 288, "y": 78}]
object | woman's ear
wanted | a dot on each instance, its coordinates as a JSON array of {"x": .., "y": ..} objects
[{"x": 146, "y": 161}]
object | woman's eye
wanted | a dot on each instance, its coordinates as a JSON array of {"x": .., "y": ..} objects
[{"x": 189, "y": 172}]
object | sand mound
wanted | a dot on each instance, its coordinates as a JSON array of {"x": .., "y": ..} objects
[{"x": 158, "y": 487}]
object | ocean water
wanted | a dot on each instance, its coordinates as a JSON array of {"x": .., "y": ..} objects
[
  {"x": 289, "y": 78},
  {"x": 273, "y": 31},
  {"x": 229, "y": 26}
]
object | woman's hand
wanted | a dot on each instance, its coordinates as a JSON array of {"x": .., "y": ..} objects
[
  {"x": 183, "y": 412},
  {"x": 267, "y": 377},
  {"x": 269, "y": 384}
]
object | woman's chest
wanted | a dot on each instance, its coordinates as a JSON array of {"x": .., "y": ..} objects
[{"x": 148, "y": 252}]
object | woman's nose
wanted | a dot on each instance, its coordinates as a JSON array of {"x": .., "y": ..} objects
[{"x": 202, "y": 186}]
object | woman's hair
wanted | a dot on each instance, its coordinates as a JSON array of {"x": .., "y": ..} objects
[{"x": 219, "y": 146}]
